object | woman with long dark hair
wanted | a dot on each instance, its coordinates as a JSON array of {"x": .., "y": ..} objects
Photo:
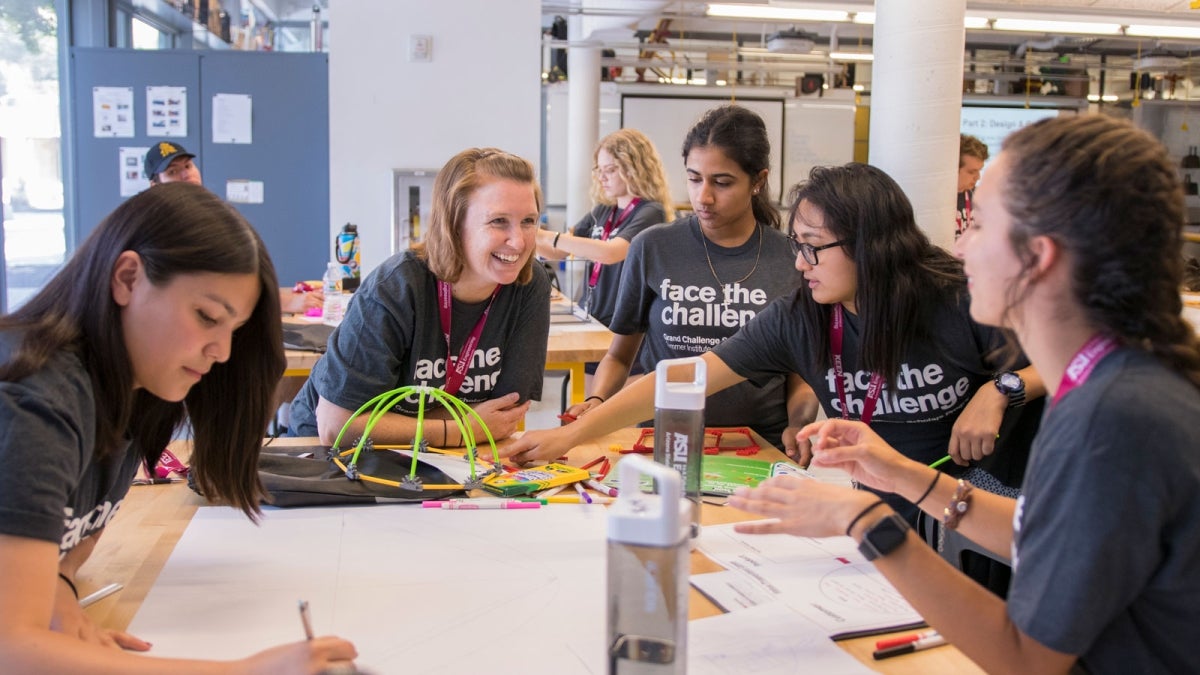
[{"x": 167, "y": 313}]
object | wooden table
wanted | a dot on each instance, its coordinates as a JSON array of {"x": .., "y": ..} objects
[{"x": 136, "y": 544}]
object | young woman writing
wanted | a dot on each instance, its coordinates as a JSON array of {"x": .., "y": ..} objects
[{"x": 168, "y": 312}]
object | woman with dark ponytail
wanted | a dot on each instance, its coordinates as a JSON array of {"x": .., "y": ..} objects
[
  {"x": 1076, "y": 247},
  {"x": 690, "y": 284}
]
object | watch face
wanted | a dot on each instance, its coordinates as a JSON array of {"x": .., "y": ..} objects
[{"x": 1010, "y": 381}]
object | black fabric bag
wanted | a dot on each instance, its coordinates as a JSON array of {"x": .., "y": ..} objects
[
  {"x": 292, "y": 480},
  {"x": 308, "y": 337}
]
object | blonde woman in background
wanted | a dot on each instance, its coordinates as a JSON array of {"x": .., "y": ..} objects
[{"x": 629, "y": 188}]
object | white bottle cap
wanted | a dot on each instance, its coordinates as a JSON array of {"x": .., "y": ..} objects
[
  {"x": 680, "y": 395},
  {"x": 641, "y": 519}
]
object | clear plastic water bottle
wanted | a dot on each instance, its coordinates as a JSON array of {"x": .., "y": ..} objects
[
  {"x": 679, "y": 423},
  {"x": 648, "y": 573},
  {"x": 334, "y": 306}
]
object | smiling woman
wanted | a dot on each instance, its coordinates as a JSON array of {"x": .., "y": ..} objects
[{"x": 467, "y": 312}]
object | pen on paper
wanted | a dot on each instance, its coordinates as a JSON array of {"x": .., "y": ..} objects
[
  {"x": 583, "y": 495},
  {"x": 919, "y": 645},
  {"x": 308, "y": 633},
  {"x": 99, "y": 595},
  {"x": 480, "y": 505},
  {"x": 903, "y": 639}
]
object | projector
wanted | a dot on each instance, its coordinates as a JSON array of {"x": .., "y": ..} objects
[{"x": 790, "y": 42}]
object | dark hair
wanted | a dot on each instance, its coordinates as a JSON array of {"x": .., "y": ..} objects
[
  {"x": 176, "y": 229},
  {"x": 452, "y": 191},
  {"x": 1108, "y": 194},
  {"x": 901, "y": 276},
  {"x": 739, "y": 133}
]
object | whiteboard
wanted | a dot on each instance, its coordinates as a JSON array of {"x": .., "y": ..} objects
[
  {"x": 820, "y": 132},
  {"x": 666, "y": 121}
]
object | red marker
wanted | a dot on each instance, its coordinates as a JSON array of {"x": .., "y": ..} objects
[
  {"x": 903, "y": 639},
  {"x": 920, "y": 644}
]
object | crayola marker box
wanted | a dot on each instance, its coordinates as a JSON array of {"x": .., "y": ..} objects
[{"x": 525, "y": 481}]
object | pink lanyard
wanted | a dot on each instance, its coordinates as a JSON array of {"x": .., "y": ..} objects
[
  {"x": 964, "y": 217},
  {"x": 836, "y": 329},
  {"x": 609, "y": 226},
  {"x": 456, "y": 373},
  {"x": 1083, "y": 363}
]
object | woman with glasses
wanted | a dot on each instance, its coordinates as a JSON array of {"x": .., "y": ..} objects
[
  {"x": 690, "y": 284},
  {"x": 1105, "y": 538},
  {"x": 879, "y": 326},
  {"x": 629, "y": 187},
  {"x": 466, "y": 312}
]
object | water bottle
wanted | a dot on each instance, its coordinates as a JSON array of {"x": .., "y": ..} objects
[
  {"x": 648, "y": 573},
  {"x": 346, "y": 252},
  {"x": 679, "y": 424},
  {"x": 333, "y": 308}
]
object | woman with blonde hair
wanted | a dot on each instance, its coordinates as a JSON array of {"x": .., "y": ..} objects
[
  {"x": 467, "y": 312},
  {"x": 629, "y": 187}
]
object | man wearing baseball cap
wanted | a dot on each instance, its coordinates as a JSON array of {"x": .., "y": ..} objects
[{"x": 170, "y": 163}]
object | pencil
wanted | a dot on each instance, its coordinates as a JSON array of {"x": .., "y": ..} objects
[
  {"x": 99, "y": 595},
  {"x": 305, "y": 621}
]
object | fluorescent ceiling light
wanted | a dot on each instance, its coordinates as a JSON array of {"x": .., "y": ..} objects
[
  {"x": 851, "y": 56},
  {"x": 976, "y": 22},
  {"x": 864, "y": 18},
  {"x": 1045, "y": 26},
  {"x": 777, "y": 13},
  {"x": 1184, "y": 32}
]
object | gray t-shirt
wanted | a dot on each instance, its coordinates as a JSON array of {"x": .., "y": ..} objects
[
  {"x": 914, "y": 415},
  {"x": 53, "y": 487},
  {"x": 1106, "y": 542},
  {"x": 603, "y": 299},
  {"x": 669, "y": 293},
  {"x": 391, "y": 337}
]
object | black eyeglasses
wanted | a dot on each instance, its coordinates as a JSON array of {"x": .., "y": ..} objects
[{"x": 808, "y": 251}]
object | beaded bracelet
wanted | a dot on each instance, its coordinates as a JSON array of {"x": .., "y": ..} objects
[
  {"x": 555, "y": 244},
  {"x": 70, "y": 584},
  {"x": 936, "y": 475},
  {"x": 958, "y": 505},
  {"x": 598, "y": 398},
  {"x": 862, "y": 513}
]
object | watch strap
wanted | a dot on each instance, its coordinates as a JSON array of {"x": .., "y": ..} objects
[{"x": 884, "y": 537}]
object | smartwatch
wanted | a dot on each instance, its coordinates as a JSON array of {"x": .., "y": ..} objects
[
  {"x": 1011, "y": 385},
  {"x": 884, "y": 537}
]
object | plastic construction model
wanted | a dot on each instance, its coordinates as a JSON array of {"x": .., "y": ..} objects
[{"x": 460, "y": 412}]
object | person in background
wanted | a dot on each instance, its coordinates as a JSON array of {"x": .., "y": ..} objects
[
  {"x": 629, "y": 187},
  {"x": 168, "y": 162},
  {"x": 879, "y": 326},
  {"x": 467, "y": 312},
  {"x": 690, "y": 284},
  {"x": 164, "y": 314},
  {"x": 972, "y": 153},
  {"x": 1105, "y": 538}
]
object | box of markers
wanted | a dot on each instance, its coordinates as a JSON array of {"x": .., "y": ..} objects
[{"x": 525, "y": 481}]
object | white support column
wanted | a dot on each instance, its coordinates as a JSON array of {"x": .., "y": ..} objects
[
  {"x": 916, "y": 103},
  {"x": 583, "y": 108}
]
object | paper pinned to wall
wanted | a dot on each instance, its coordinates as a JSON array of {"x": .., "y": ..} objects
[
  {"x": 232, "y": 117},
  {"x": 112, "y": 112},
  {"x": 132, "y": 170},
  {"x": 242, "y": 191},
  {"x": 166, "y": 112}
]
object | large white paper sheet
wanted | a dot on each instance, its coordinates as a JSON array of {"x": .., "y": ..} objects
[
  {"x": 826, "y": 580},
  {"x": 785, "y": 643},
  {"x": 417, "y": 590}
]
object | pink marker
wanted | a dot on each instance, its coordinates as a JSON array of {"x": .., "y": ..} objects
[
  {"x": 601, "y": 488},
  {"x": 480, "y": 505}
]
